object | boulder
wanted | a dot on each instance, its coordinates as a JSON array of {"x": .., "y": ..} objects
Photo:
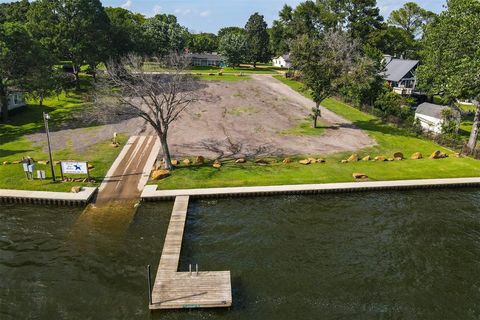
[
  {"x": 76, "y": 189},
  {"x": 321, "y": 160},
  {"x": 390, "y": 159},
  {"x": 57, "y": 163},
  {"x": 217, "y": 164},
  {"x": 114, "y": 145},
  {"x": 380, "y": 158},
  {"x": 287, "y": 160},
  {"x": 261, "y": 162},
  {"x": 398, "y": 156},
  {"x": 312, "y": 160},
  {"x": 241, "y": 160},
  {"x": 16, "y": 162},
  {"x": 344, "y": 161},
  {"x": 359, "y": 176},
  {"x": 5, "y": 163},
  {"x": 456, "y": 155},
  {"x": 366, "y": 158},
  {"x": 160, "y": 174},
  {"x": 186, "y": 162},
  {"x": 44, "y": 162},
  {"x": 438, "y": 155},
  {"x": 174, "y": 162},
  {"x": 91, "y": 166},
  {"x": 353, "y": 158},
  {"x": 200, "y": 160},
  {"x": 416, "y": 156},
  {"x": 304, "y": 162}
]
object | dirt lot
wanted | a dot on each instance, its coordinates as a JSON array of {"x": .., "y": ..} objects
[
  {"x": 253, "y": 118},
  {"x": 245, "y": 118}
]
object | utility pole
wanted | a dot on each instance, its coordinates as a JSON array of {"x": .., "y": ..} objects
[{"x": 46, "y": 117}]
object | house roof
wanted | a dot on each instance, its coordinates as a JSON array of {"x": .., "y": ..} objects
[
  {"x": 431, "y": 109},
  {"x": 285, "y": 57},
  {"x": 396, "y": 69}
]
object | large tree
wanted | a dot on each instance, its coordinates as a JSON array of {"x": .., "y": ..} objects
[
  {"x": 363, "y": 19},
  {"x": 233, "y": 45},
  {"x": 18, "y": 57},
  {"x": 74, "y": 30},
  {"x": 162, "y": 34},
  {"x": 326, "y": 63},
  {"x": 411, "y": 18},
  {"x": 203, "y": 42},
  {"x": 258, "y": 39},
  {"x": 451, "y": 57},
  {"x": 159, "y": 99},
  {"x": 14, "y": 11},
  {"x": 125, "y": 34}
]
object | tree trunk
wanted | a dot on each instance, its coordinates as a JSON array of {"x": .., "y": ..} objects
[
  {"x": 255, "y": 65},
  {"x": 472, "y": 142},
  {"x": 41, "y": 101},
  {"x": 4, "y": 103},
  {"x": 167, "y": 160},
  {"x": 76, "y": 72},
  {"x": 316, "y": 113}
]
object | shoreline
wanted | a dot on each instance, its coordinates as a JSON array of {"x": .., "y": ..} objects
[{"x": 150, "y": 193}]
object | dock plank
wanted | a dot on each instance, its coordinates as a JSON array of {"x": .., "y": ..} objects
[{"x": 179, "y": 290}]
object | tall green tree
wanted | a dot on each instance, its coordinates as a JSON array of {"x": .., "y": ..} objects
[
  {"x": 125, "y": 35},
  {"x": 203, "y": 42},
  {"x": 75, "y": 30},
  {"x": 411, "y": 18},
  {"x": 451, "y": 57},
  {"x": 14, "y": 11},
  {"x": 394, "y": 41},
  {"x": 227, "y": 30},
  {"x": 326, "y": 63},
  {"x": 258, "y": 39},
  {"x": 233, "y": 45},
  {"x": 162, "y": 34},
  {"x": 18, "y": 54},
  {"x": 363, "y": 19}
]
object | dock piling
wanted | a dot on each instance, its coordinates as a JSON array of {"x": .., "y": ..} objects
[{"x": 149, "y": 279}]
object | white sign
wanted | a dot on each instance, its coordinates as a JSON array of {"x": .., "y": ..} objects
[
  {"x": 40, "y": 174},
  {"x": 74, "y": 167}
]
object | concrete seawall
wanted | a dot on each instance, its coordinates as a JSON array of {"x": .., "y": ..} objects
[
  {"x": 150, "y": 193},
  {"x": 46, "y": 197}
]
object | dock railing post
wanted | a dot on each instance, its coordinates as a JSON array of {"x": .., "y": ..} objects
[
  {"x": 149, "y": 278},
  {"x": 196, "y": 269},
  {"x": 190, "y": 269}
]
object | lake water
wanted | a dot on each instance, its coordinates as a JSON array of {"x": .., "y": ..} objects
[{"x": 392, "y": 255}]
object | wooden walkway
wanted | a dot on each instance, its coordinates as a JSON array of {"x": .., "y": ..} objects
[{"x": 179, "y": 290}]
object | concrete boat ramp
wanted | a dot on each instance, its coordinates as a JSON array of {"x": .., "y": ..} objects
[{"x": 191, "y": 289}]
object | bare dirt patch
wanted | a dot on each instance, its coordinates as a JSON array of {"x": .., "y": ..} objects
[{"x": 253, "y": 118}]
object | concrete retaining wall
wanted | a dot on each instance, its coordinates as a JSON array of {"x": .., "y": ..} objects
[
  {"x": 150, "y": 193},
  {"x": 46, "y": 197}
]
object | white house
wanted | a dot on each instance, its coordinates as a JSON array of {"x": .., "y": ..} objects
[
  {"x": 431, "y": 117},
  {"x": 282, "y": 61},
  {"x": 15, "y": 100}
]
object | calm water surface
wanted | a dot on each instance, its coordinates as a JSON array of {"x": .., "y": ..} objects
[{"x": 380, "y": 255}]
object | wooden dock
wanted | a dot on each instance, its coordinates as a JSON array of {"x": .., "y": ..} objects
[{"x": 180, "y": 290}]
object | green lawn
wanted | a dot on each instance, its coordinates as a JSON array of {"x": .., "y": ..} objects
[
  {"x": 14, "y": 145},
  {"x": 389, "y": 140}
]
